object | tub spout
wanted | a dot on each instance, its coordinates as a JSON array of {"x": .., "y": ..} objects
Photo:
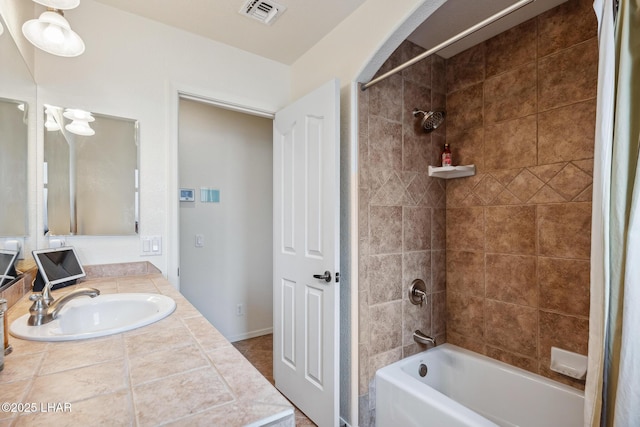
[{"x": 421, "y": 338}]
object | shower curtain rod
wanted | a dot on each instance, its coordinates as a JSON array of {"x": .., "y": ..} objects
[{"x": 448, "y": 42}]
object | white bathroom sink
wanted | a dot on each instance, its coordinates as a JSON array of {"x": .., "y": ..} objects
[{"x": 86, "y": 317}]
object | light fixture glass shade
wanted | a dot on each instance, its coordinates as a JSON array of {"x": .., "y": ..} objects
[
  {"x": 51, "y": 124},
  {"x": 80, "y": 127},
  {"x": 78, "y": 114},
  {"x": 80, "y": 121},
  {"x": 59, "y": 4},
  {"x": 52, "y": 33}
]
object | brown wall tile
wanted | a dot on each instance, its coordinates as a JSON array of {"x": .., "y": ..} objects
[
  {"x": 512, "y": 278},
  {"x": 562, "y": 331},
  {"x": 511, "y": 49},
  {"x": 566, "y": 25},
  {"x": 467, "y": 147},
  {"x": 465, "y": 69},
  {"x": 415, "y": 265},
  {"x": 385, "y": 278},
  {"x": 385, "y": 99},
  {"x": 465, "y": 272},
  {"x": 564, "y": 230},
  {"x": 438, "y": 228},
  {"x": 511, "y": 94},
  {"x": 465, "y": 229},
  {"x": 385, "y": 144},
  {"x": 416, "y": 223},
  {"x": 419, "y": 72},
  {"x": 511, "y": 229},
  {"x": 528, "y": 363},
  {"x": 511, "y": 144},
  {"x": 464, "y": 108},
  {"x": 570, "y": 182},
  {"x": 438, "y": 270},
  {"x": 564, "y": 285},
  {"x": 512, "y": 327},
  {"x": 568, "y": 76},
  {"x": 385, "y": 223},
  {"x": 567, "y": 133},
  {"x": 438, "y": 313},
  {"x": 465, "y": 314},
  {"x": 385, "y": 327}
]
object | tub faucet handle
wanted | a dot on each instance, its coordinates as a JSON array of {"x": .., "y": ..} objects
[{"x": 418, "y": 292}]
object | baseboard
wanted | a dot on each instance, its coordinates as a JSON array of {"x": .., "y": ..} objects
[{"x": 251, "y": 334}]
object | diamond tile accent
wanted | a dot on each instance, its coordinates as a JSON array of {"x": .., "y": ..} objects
[
  {"x": 417, "y": 189},
  {"x": 488, "y": 189},
  {"x": 505, "y": 176},
  {"x": 506, "y": 198},
  {"x": 546, "y": 172},
  {"x": 546, "y": 195},
  {"x": 525, "y": 185},
  {"x": 391, "y": 193},
  {"x": 570, "y": 182},
  {"x": 437, "y": 193},
  {"x": 585, "y": 165}
]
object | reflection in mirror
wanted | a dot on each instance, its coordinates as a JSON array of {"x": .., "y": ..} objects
[
  {"x": 16, "y": 83},
  {"x": 14, "y": 132},
  {"x": 90, "y": 173}
]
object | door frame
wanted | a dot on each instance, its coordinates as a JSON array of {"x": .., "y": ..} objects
[{"x": 175, "y": 93}]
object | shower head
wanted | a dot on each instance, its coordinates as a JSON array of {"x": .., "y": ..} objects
[{"x": 430, "y": 119}]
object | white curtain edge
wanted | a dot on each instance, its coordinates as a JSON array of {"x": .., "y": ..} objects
[{"x": 600, "y": 211}]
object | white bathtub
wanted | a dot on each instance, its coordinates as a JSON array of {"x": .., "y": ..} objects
[{"x": 463, "y": 388}]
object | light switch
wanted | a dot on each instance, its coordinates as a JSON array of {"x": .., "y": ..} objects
[
  {"x": 151, "y": 245},
  {"x": 199, "y": 240}
]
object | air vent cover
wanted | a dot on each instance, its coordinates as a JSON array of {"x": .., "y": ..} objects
[{"x": 265, "y": 11}]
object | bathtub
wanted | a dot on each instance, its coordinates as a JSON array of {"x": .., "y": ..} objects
[{"x": 463, "y": 388}]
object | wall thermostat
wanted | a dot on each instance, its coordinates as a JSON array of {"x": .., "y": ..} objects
[{"x": 187, "y": 195}]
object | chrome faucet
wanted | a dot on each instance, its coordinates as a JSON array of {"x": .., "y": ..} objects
[{"x": 45, "y": 309}]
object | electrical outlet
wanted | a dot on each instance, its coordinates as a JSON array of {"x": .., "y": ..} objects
[{"x": 240, "y": 310}]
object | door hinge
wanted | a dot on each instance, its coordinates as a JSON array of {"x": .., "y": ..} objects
[
  {"x": 178, "y": 271},
  {"x": 337, "y": 276}
]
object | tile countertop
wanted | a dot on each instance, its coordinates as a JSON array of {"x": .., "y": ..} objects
[{"x": 178, "y": 371}]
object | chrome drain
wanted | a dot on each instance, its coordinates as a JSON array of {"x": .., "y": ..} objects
[{"x": 422, "y": 370}]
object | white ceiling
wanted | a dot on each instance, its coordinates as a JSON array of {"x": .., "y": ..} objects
[
  {"x": 305, "y": 22},
  {"x": 302, "y": 25}
]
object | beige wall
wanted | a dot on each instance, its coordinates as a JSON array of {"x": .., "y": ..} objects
[
  {"x": 521, "y": 107},
  {"x": 401, "y": 218}
]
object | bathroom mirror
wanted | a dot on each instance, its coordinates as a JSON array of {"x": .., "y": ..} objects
[
  {"x": 90, "y": 173},
  {"x": 17, "y": 90}
]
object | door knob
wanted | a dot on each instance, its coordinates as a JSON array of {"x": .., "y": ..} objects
[{"x": 326, "y": 276}]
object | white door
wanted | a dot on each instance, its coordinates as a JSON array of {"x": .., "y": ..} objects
[{"x": 306, "y": 228}]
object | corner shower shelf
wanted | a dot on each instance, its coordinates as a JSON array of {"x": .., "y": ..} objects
[{"x": 448, "y": 172}]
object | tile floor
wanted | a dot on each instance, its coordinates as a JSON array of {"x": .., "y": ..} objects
[{"x": 259, "y": 351}]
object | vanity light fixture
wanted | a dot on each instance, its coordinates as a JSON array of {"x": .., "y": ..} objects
[
  {"x": 52, "y": 33},
  {"x": 59, "y": 4},
  {"x": 51, "y": 124},
  {"x": 80, "y": 122}
]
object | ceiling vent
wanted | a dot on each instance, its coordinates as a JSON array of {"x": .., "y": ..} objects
[{"x": 265, "y": 11}]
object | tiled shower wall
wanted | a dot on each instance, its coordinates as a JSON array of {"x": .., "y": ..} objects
[
  {"x": 402, "y": 217},
  {"x": 521, "y": 107}
]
